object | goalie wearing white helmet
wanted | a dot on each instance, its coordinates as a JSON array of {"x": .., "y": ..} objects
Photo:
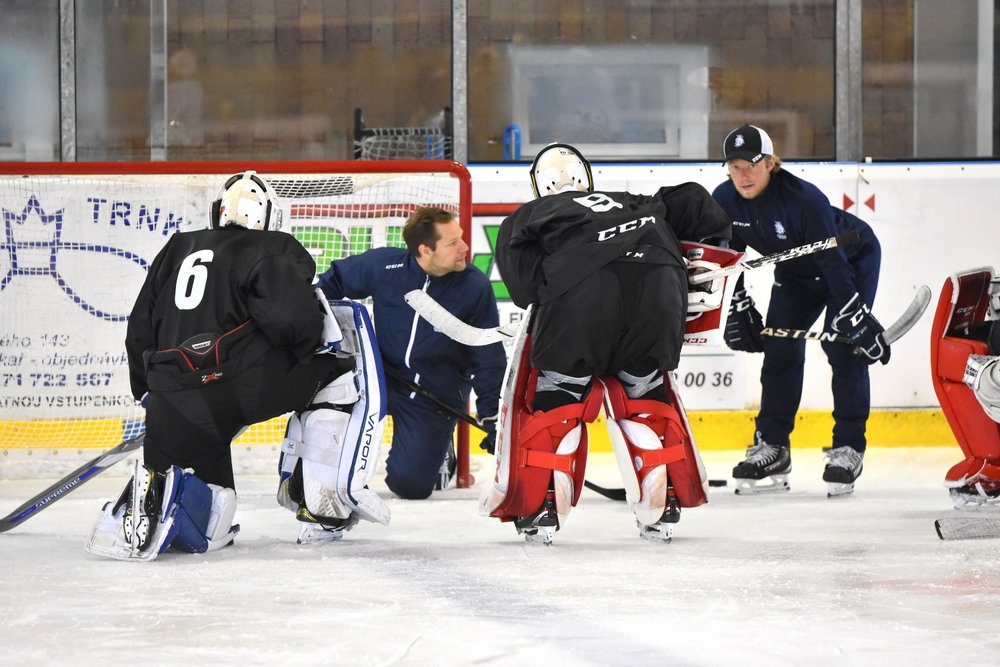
[
  {"x": 222, "y": 335},
  {"x": 607, "y": 278}
]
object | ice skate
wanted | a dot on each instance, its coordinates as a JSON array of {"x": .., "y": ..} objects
[
  {"x": 663, "y": 530},
  {"x": 763, "y": 461},
  {"x": 844, "y": 465},
  {"x": 982, "y": 493},
  {"x": 447, "y": 471},
  {"x": 317, "y": 530},
  {"x": 540, "y": 526},
  {"x": 974, "y": 484}
]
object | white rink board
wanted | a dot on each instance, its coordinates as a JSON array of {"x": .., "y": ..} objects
[{"x": 932, "y": 219}]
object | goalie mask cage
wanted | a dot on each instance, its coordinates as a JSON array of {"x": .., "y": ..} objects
[{"x": 76, "y": 243}]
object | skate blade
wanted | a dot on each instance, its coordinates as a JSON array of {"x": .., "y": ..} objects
[
  {"x": 658, "y": 532},
  {"x": 316, "y": 534},
  {"x": 974, "y": 502},
  {"x": 541, "y": 536},
  {"x": 839, "y": 489},
  {"x": 752, "y": 487}
]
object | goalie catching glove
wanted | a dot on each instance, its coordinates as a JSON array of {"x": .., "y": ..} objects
[
  {"x": 744, "y": 323},
  {"x": 856, "y": 321},
  {"x": 702, "y": 297}
]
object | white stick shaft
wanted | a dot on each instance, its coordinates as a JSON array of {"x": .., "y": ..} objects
[{"x": 442, "y": 320}]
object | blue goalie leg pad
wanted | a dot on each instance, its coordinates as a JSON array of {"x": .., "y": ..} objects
[{"x": 198, "y": 515}]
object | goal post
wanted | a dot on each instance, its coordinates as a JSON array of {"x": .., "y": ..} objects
[{"x": 75, "y": 244}]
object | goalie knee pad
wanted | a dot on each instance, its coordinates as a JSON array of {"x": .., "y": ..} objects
[{"x": 189, "y": 516}]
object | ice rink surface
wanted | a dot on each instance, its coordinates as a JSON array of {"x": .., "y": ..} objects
[{"x": 792, "y": 579}]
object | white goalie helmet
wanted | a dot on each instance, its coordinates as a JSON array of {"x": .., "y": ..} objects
[
  {"x": 246, "y": 200},
  {"x": 559, "y": 167}
]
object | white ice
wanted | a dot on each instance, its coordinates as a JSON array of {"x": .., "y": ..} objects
[{"x": 795, "y": 579}]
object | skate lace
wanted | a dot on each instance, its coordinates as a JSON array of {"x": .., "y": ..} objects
[
  {"x": 761, "y": 452},
  {"x": 844, "y": 457}
]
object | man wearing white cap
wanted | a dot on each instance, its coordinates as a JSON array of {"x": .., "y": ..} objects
[{"x": 773, "y": 210}]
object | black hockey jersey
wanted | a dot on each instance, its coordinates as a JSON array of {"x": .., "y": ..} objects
[
  {"x": 233, "y": 292},
  {"x": 548, "y": 245}
]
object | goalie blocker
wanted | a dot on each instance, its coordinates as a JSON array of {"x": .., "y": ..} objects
[{"x": 541, "y": 456}]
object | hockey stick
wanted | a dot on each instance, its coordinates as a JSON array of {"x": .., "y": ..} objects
[
  {"x": 613, "y": 494},
  {"x": 445, "y": 322},
  {"x": 441, "y": 319},
  {"x": 70, "y": 482},
  {"x": 798, "y": 251},
  {"x": 967, "y": 528},
  {"x": 893, "y": 332},
  {"x": 394, "y": 375}
]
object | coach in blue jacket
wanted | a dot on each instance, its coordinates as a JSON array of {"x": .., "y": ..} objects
[
  {"x": 773, "y": 210},
  {"x": 434, "y": 261}
]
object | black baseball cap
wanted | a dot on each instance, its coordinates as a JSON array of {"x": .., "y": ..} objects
[{"x": 747, "y": 142}]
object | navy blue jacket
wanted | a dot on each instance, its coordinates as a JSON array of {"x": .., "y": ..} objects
[
  {"x": 409, "y": 343},
  {"x": 792, "y": 212}
]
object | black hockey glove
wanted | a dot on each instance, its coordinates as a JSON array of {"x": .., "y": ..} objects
[
  {"x": 489, "y": 443},
  {"x": 744, "y": 324},
  {"x": 857, "y": 322}
]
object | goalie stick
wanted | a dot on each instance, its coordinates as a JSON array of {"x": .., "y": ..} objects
[
  {"x": 613, "y": 494},
  {"x": 442, "y": 320},
  {"x": 893, "y": 332},
  {"x": 798, "y": 251},
  {"x": 70, "y": 482},
  {"x": 967, "y": 528}
]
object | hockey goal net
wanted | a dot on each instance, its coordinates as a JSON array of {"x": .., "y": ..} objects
[{"x": 76, "y": 243}]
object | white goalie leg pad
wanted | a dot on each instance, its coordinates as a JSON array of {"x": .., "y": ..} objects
[
  {"x": 338, "y": 438},
  {"x": 982, "y": 375},
  {"x": 316, "y": 438}
]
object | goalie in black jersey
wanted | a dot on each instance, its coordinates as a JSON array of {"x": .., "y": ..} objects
[
  {"x": 223, "y": 335},
  {"x": 606, "y": 276}
]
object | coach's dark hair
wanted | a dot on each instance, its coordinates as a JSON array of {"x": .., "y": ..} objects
[{"x": 421, "y": 228}]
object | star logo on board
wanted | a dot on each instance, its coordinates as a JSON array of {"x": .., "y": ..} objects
[{"x": 32, "y": 243}]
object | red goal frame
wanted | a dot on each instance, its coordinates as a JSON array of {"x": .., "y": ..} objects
[{"x": 457, "y": 169}]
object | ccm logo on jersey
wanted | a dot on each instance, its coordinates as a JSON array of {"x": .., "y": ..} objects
[{"x": 629, "y": 226}]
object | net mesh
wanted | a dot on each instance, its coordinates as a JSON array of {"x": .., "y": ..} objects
[
  {"x": 74, "y": 251},
  {"x": 403, "y": 143}
]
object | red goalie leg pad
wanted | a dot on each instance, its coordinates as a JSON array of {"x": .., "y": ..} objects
[
  {"x": 534, "y": 457},
  {"x": 668, "y": 423},
  {"x": 962, "y": 304}
]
